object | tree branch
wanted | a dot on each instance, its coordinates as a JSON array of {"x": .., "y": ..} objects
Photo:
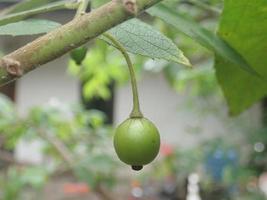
[
  {"x": 59, "y": 146},
  {"x": 10, "y": 159},
  {"x": 82, "y": 8},
  {"x": 7, "y": 157},
  {"x": 105, "y": 195},
  {"x": 69, "y": 36}
]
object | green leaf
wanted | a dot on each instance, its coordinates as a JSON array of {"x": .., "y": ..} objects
[
  {"x": 200, "y": 34},
  {"x": 19, "y": 16},
  {"x": 34, "y": 176},
  {"x": 28, "y": 27},
  {"x": 243, "y": 25},
  {"x": 26, "y": 5},
  {"x": 98, "y": 3},
  {"x": 140, "y": 38},
  {"x": 84, "y": 174}
]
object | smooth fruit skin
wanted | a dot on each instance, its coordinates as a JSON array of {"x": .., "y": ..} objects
[
  {"x": 137, "y": 141},
  {"x": 78, "y": 54}
]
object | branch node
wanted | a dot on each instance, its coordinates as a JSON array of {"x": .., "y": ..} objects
[
  {"x": 13, "y": 67},
  {"x": 131, "y": 6}
]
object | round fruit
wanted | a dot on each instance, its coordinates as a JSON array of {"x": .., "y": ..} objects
[
  {"x": 137, "y": 142},
  {"x": 78, "y": 54}
]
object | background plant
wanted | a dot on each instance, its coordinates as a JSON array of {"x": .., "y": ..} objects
[{"x": 203, "y": 30}]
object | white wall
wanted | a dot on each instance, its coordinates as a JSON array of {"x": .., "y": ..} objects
[{"x": 46, "y": 82}]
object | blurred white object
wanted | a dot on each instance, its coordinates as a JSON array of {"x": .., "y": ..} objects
[
  {"x": 29, "y": 152},
  {"x": 192, "y": 187},
  {"x": 263, "y": 183},
  {"x": 137, "y": 192}
]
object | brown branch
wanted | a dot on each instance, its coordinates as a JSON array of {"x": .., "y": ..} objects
[
  {"x": 69, "y": 36},
  {"x": 59, "y": 146},
  {"x": 105, "y": 195},
  {"x": 7, "y": 157}
]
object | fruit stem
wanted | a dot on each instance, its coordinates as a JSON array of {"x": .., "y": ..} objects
[{"x": 136, "y": 112}]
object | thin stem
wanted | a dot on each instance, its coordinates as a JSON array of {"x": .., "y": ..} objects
[
  {"x": 205, "y": 6},
  {"x": 82, "y": 7},
  {"x": 44, "y": 9},
  {"x": 83, "y": 4},
  {"x": 136, "y": 112},
  {"x": 59, "y": 146}
]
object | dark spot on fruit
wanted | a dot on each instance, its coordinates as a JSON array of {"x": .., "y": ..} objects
[{"x": 137, "y": 168}]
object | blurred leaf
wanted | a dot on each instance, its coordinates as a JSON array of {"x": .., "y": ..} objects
[
  {"x": 96, "y": 118},
  {"x": 102, "y": 163},
  {"x": 7, "y": 111},
  {"x": 201, "y": 35},
  {"x": 34, "y": 176},
  {"x": 28, "y": 27},
  {"x": 140, "y": 38},
  {"x": 73, "y": 68},
  {"x": 84, "y": 174},
  {"x": 98, "y": 3},
  {"x": 99, "y": 69},
  {"x": 19, "y": 178},
  {"x": 15, "y": 17},
  {"x": 13, "y": 185},
  {"x": 199, "y": 81},
  {"x": 26, "y": 5},
  {"x": 96, "y": 87},
  {"x": 240, "y": 88}
]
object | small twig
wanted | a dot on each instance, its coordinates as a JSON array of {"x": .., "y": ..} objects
[
  {"x": 7, "y": 157},
  {"x": 103, "y": 193},
  {"x": 44, "y": 9},
  {"x": 82, "y": 7},
  {"x": 10, "y": 159},
  {"x": 202, "y": 5},
  {"x": 20, "y": 6},
  {"x": 136, "y": 112},
  {"x": 59, "y": 147}
]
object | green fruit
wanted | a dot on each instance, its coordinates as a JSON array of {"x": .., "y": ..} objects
[
  {"x": 78, "y": 55},
  {"x": 137, "y": 142}
]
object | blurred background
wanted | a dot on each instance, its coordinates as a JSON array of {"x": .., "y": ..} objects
[{"x": 57, "y": 122}]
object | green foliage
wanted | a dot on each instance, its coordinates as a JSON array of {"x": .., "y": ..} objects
[
  {"x": 17, "y": 179},
  {"x": 199, "y": 34},
  {"x": 98, "y": 3},
  {"x": 239, "y": 64},
  {"x": 9, "y": 123},
  {"x": 239, "y": 47},
  {"x": 80, "y": 133},
  {"x": 28, "y": 27},
  {"x": 85, "y": 134},
  {"x": 27, "y": 5},
  {"x": 97, "y": 169},
  {"x": 140, "y": 38},
  {"x": 100, "y": 68},
  {"x": 248, "y": 37},
  {"x": 199, "y": 81}
]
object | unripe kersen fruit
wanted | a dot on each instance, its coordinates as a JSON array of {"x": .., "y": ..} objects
[
  {"x": 78, "y": 54},
  {"x": 137, "y": 142}
]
